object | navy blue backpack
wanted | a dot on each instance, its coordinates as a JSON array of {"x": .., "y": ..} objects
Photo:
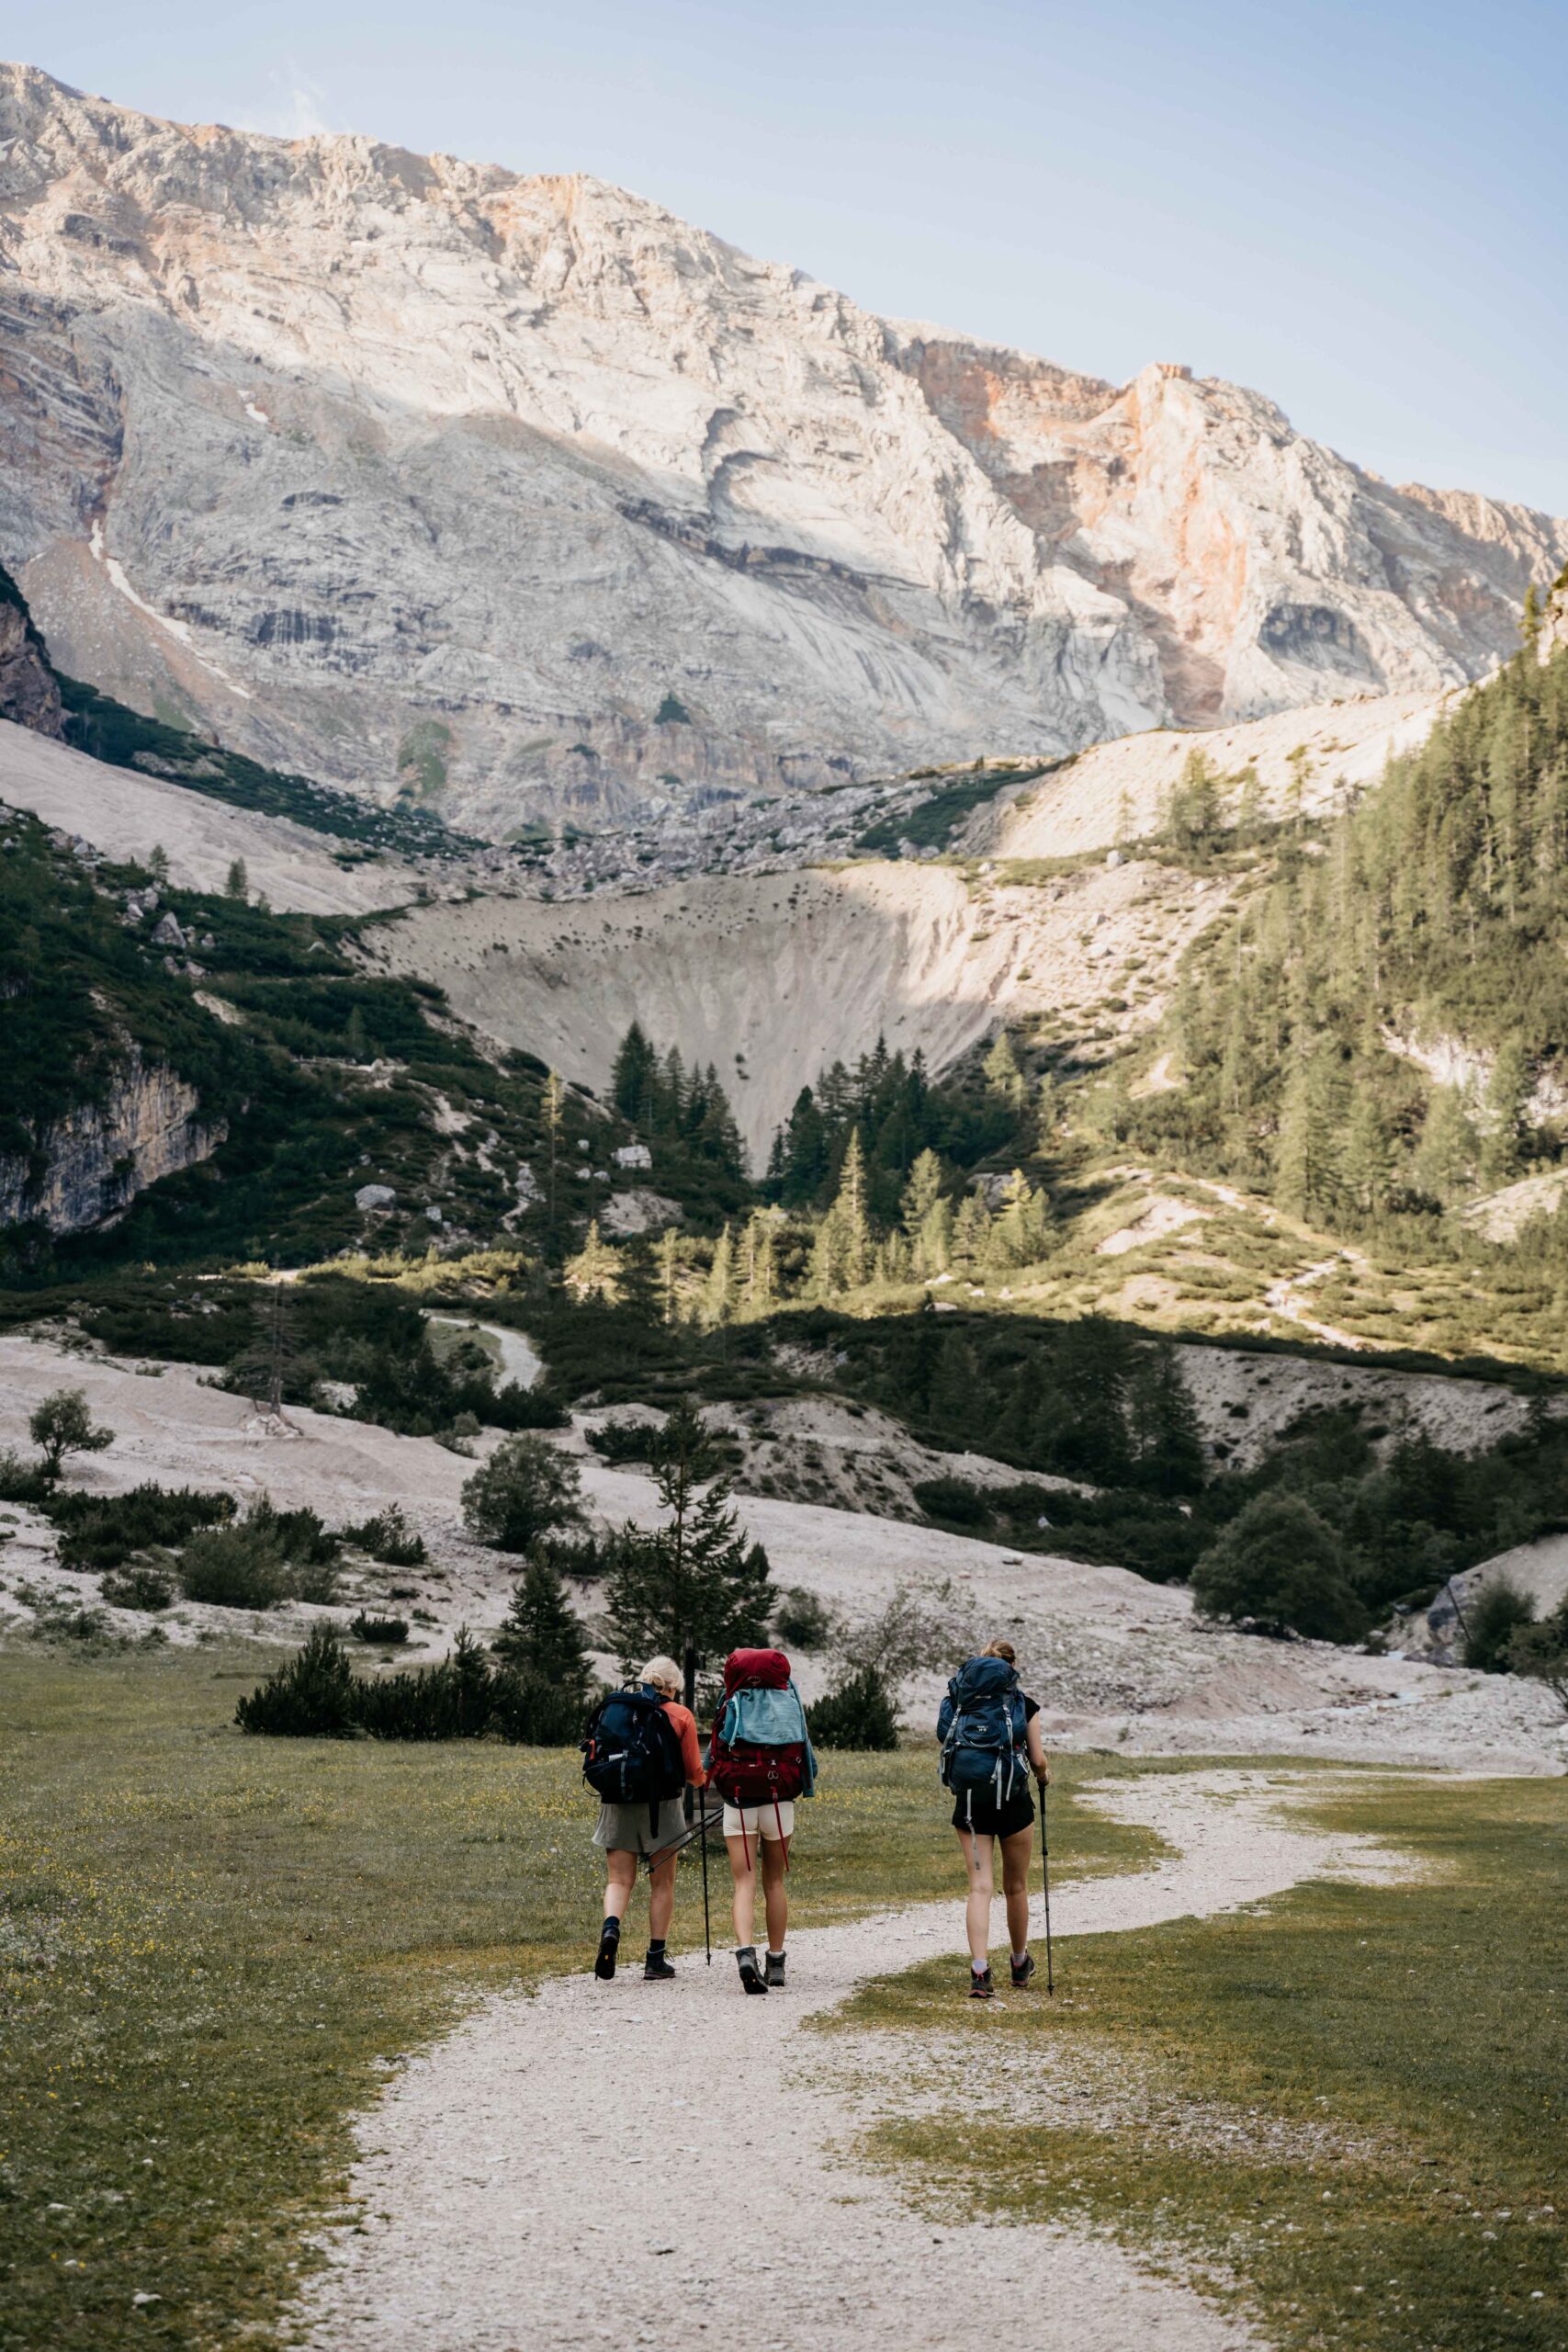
[
  {"x": 984, "y": 1732},
  {"x": 631, "y": 1754}
]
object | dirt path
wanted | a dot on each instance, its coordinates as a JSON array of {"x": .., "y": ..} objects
[
  {"x": 1283, "y": 1298},
  {"x": 516, "y": 1354},
  {"x": 626, "y": 2164}
]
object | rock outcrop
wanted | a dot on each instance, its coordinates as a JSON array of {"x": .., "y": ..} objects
[
  {"x": 29, "y": 692},
  {"x": 90, "y": 1164},
  {"x": 521, "y": 496}
]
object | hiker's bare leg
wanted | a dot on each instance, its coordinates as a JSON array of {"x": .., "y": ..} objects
[
  {"x": 1016, "y": 1852},
  {"x": 775, "y": 1895},
  {"x": 662, "y": 1895},
  {"x": 620, "y": 1877},
  {"x": 743, "y": 1868},
  {"x": 981, "y": 1887}
]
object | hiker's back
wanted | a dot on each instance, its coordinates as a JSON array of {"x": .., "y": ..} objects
[
  {"x": 983, "y": 1730},
  {"x": 631, "y": 1754},
  {"x": 761, "y": 1752}
]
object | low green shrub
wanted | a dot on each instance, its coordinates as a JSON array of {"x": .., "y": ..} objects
[
  {"x": 23, "y": 1482},
  {"x": 953, "y": 1502},
  {"x": 623, "y": 1441},
  {"x": 451, "y": 1700},
  {"x": 240, "y": 1566},
  {"x": 102, "y": 1531},
  {"x": 802, "y": 1620},
  {"x": 139, "y": 1586},
  {"x": 390, "y": 1631},
  {"x": 1541, "y": 1650},
  {"x": 388, "y": 1537},
  {"x": 254, "y": 1563},
  {"x": 526, "y": 1489},
  {"x": 858, "y": 1713},
  {"x": 1279, "y": 1568},
  {"x": 531, "y": 1711},
  {"x": 1498, "y": 1611},
  {"x": 312, "y": 1696}
]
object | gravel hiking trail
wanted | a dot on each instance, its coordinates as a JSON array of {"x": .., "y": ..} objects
[{"x": 634, "y": 2164}]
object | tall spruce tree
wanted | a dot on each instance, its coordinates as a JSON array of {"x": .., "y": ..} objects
[
  {"x": 542, "y": 1692},
  {"x": 696, "y": 1581}
]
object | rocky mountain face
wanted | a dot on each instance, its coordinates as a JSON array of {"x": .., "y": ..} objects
[
  {"x": 93, "y": 1162},
  {"x": 521, "y": 496},
  {"x": 29, "y": 695}
]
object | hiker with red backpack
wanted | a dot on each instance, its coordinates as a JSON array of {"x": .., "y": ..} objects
[
  {"x": 991, "y": 1743},
  {"x": 640, "y": 1755},
  {"x": 762, "y": 1761}
]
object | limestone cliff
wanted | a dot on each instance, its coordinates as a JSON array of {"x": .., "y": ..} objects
[
  {"x": 520, "y": 495},
  {"x": 29, "y": 693},
  {"x": 91, "y": 1164}
]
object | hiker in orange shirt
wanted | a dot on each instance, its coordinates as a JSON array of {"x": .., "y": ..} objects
[{"x": 642, "y": 1755}]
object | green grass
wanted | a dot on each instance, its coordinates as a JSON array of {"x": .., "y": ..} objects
[
  {"x": 1347, "y": 2108},
  {"x": 209, "y": 1942}
]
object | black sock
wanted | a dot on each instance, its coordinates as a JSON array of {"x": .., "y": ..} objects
[
  {"x": 611, "y": 1930},
  {"x": 656, "y": 1947}
]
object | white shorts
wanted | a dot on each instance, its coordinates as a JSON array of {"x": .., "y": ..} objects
[{"x": 761, "y": 1820}]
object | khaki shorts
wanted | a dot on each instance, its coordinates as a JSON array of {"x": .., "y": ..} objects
[{"x": 761, "y": 1820}]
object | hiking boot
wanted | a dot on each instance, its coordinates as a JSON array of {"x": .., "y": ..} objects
[
  {"x": 1022, "y": 1972},
  {"x": 751, "y": 1978},
  {"x": 773, "y": 1968},
  {"x": 656, "y": 1969},
  {"x": 604, "y": 1964},
  {"x": 981, "y": 1987}
]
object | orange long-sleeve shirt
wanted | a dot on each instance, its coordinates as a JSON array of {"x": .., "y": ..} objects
[{"x": 685, "y": 1725}]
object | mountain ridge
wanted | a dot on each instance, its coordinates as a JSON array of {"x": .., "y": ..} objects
[{"x": 519, "y": 496}]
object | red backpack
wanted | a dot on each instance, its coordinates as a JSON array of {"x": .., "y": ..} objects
[{"x": 760, "y": 1751}]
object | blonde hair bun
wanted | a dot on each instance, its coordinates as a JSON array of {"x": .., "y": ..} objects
[
  {"x": 1000, "y": 1649},
  {"x": 664, "y": 1671}
]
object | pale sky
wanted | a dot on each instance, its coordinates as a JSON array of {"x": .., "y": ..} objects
[{"x": 1356, "y": 210}]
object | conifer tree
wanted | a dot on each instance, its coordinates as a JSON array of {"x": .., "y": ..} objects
[
  {"x": 637, "y": 1280},
  {"x": 850, "y": 1209},
  {"x": 1446, "y": 1154},
  {"x": 633, "y": 1076},
  {"x": 971, "y": 1231},
  {"x": 695, "y": 1580},
  {"x": 591, "y": 1273},
  {"x": 1165, "y": 1421},
  {"x": 541, "y": 1691},
  {"x": 1003, "y": 1077},
  {"x": 921, "y": 1193},
  {"x": 552, "y": 1109},
  {"x": 957, "y": 1399},
  {"x": 1502, "y": 1118},
  {"x": 1020, "y": 1232},
  {"x": 758, "y": 1268},
  {"x": 718, "y": 1291},
  {"x": 668, "y": 1293},
  {"x": 541, "y": 1633},
  {"x": 1367, "y": 1161}
]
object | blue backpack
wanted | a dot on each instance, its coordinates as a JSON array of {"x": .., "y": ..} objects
[
  {"x": 983, "y": 1731},
  {"x": 631, "y": 1755}
]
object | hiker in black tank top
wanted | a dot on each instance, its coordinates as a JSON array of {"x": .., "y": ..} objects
[{"x": 978, "y": 1819}]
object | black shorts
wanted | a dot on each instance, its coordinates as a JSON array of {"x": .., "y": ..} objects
[{"x": 987, "y": 1820}]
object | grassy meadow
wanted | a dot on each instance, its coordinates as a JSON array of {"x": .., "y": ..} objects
[
  {"x": 1347, "y": 2109},
  {"x": 211, "y": 1945}
]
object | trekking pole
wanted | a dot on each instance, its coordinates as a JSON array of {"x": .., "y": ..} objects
[
  {"x": 702, "y": 1818},
  {"x": 1045, "y": 1871}
]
